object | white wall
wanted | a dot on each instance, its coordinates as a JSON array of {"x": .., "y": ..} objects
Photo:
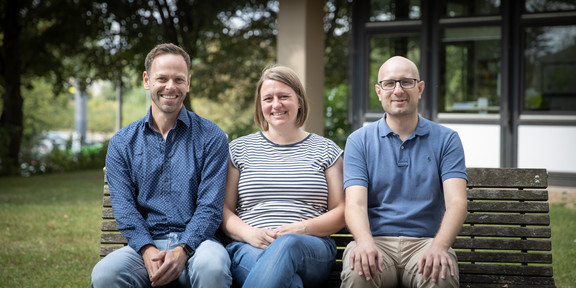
[
  {"x": 550, "y": 147},
  {"x": 481, "y": 144}
]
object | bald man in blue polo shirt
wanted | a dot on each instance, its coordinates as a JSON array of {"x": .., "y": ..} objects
[{"x": 405, "y": 183}]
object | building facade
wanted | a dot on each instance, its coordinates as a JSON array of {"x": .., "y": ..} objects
[{"x": 500, "y": 72}]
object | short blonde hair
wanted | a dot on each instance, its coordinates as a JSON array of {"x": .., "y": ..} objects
[{"x": 288, "y": 77}]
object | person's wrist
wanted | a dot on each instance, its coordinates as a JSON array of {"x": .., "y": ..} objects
[
  {"x": 305, "y": 226},
  {"x": 187, "y": 250}
]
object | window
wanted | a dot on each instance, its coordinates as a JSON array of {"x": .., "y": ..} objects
[
  {"x": 533, "y": 6},
  {"x": 394, "y": 10},
  {"x": 384, "y": 46},
  {"x": 466, "y": 8},
  {"x": 550, "y": 66},
  {"x": 470, "y": 70}
]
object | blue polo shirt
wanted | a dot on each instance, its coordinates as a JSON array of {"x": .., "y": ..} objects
[{"x": 404, "y": 178}]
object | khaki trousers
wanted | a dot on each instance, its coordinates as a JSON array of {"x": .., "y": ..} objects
[{"x": 400, "y": 265}]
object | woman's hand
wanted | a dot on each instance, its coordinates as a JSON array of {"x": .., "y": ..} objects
[
  {"x": 261, "y": 238},
  {"x": 293, "y": 228}
]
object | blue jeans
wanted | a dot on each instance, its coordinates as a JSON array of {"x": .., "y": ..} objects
[
  {"x": 290, "y": 261},
  {"x": 208, "y": 267}
]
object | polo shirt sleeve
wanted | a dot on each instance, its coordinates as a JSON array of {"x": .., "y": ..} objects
[
  {"x": 453, "y": 163},
  {"x": 355, "y": 166}
]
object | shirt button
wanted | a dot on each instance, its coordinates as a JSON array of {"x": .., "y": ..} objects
[{"x": 402, "y": 147}]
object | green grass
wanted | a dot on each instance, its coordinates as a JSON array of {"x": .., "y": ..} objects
[
  {"x": 50, "y": 231},
  {"x": 563, "y": 245}
]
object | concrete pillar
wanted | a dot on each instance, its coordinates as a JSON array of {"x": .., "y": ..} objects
[{"x": 301, "y": 47}]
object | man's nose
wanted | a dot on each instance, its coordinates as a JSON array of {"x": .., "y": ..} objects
[
  {"x": 170, "y": 84},
  {"x": 398, "y": 88}
]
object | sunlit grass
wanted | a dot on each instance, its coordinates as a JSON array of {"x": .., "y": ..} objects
[
  {"x": 49, "y": 227},
  {"x": 563, "y": 245}
]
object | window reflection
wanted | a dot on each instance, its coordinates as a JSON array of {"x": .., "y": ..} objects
[
  {"x": 550, "y": 69},
  {"x": 470, "y": 70},
  {"x": 464, "y": 8},
  {"x": 391, "y": 10},
  {"x": 382, "y": 47},
  {"x": 549, "y": 5}
]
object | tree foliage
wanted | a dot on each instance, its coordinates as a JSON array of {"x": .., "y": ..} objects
[
  {"x": 70, "y": 42},
  {"x": 39, "y": 39}
]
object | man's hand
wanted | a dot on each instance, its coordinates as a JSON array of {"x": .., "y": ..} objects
[
  {"x": 366, "y": 259},
  {"x": 261, "y": 238},
  {"x": 164, "y": 266},
  {"x": 148, "y": 253},
  {"x": 434, "y": 263}
]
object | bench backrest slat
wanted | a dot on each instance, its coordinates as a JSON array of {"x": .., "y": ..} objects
[{"x": 507, "y": 178}]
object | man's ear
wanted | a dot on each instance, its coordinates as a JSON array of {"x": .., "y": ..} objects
[{"x": 146, "y": 80}]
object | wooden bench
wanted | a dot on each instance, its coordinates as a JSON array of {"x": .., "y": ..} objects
[{"x": 505, "y": 241}]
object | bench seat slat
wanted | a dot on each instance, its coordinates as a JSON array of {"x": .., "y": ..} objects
[
  {"x": 502, "y": 257},
  {"x": 502, "y": 244},
  {"x": 500, "y": 231}
]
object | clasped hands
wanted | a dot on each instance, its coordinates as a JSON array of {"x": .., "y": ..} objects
[
  {"x": 263, "y": 237},
  {"x": 163, "y": 266}
]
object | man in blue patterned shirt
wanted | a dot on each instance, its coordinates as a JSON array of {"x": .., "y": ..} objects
[{"x": 166, "y": 174}]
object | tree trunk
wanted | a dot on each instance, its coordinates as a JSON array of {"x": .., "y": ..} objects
[{"x": 11, "y": 121}]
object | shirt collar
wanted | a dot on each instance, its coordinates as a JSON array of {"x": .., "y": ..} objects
[
  {"x": 422, "y": 129},
  {"x": 183, "y": 117}
]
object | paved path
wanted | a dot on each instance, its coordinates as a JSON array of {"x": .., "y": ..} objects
[{"x": 561, "y": 194}]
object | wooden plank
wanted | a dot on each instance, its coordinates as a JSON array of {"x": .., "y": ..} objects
[
  {"x": 503, "y": 244},
  {"x": 509, "y": 207},
  {"x": 514, "y": 270},
  {"x": 501, "y": 194},
  {"x": 109, "y": 225},
  {"x": 508, "y": 219},
  {"x": 507, "y": 178},
  {"x": 504, "y": 257},
  {"x": 106, "y": 201},
  {"x": 105, "y": 250},
  {"x": 112, "y": 238},
  {"x": 488, "y": 281},
  {"x": 500, "y": 231},
  {"x": 107, "y": 213}
]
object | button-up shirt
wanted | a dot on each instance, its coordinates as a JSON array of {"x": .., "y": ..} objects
[{"x": 158, "y": 186}]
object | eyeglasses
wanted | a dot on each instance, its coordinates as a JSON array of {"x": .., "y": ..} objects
[{"x": 406, "y": 83}]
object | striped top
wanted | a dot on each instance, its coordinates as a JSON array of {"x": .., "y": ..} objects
[{"x": 282, "y": 184}]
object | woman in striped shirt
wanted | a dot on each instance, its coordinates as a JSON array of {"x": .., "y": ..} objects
[{"x": 284, "y": 192}]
